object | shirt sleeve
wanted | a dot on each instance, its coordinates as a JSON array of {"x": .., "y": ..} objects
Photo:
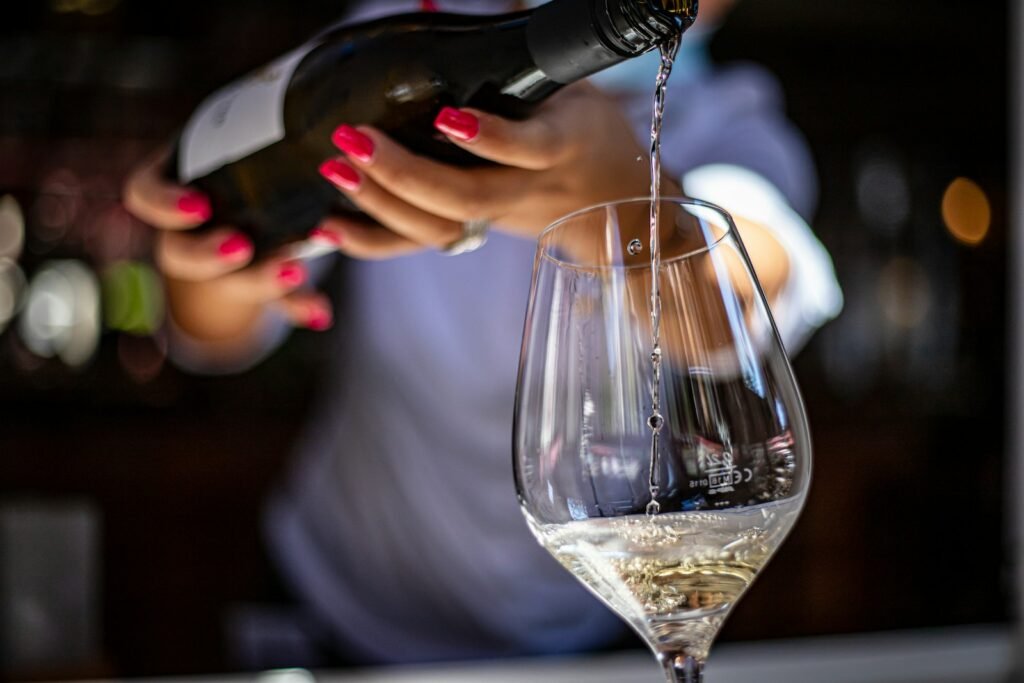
[
  {"x": 728, "y": 138},
  {"x": 736, "y": 115},
  {"x": 811, "y": 295}
]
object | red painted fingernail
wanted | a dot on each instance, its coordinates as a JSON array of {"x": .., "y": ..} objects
[
  {"x": 196, "y": 205},
  {"x": 341, "y": 174},
  {"x": 352, "y": 142},
  {"x": 458, "y": 124},
  {"x": 291, "y": 274},
  {"x": 319, "y": 318},
  {"x": 331, "y": 238},
  {"x": 236, "y": 248}
]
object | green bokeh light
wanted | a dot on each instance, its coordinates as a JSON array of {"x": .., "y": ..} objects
[{"x": 133, "y": 298}]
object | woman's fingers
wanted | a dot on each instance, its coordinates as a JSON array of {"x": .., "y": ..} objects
[
  {"x": 195, "y": 258},
  {"x": 258, "y": 283},
  {"x": 541, "y": 142},
  {"x": 401, "y": 217},
  {"x": 160, "y": 203},
  {"x": 443, "y": 190},
  {"x": 367, "y": 242},
  {"x": 216, "y": 265},
  {"x": 311, "y": 310},
  {"x": 535, "y": 144},
  {"x": 268, "y": 280}
]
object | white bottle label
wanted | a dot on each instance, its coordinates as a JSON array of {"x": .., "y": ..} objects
[{"x": 238, "y": 119}]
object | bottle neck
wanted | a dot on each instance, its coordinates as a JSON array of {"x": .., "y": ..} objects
[{"x": 572, "y": 39}]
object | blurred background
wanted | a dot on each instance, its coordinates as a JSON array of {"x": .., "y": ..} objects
[{"x": 130, "y": 492}]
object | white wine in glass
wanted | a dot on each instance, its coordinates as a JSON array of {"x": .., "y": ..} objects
[{"x": 670, "y": 531}]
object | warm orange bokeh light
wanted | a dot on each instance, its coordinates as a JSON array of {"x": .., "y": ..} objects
[{"x": 966, "y": 211}]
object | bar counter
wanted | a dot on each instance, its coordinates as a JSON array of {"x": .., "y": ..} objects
[{"x": 980, "y": 654}]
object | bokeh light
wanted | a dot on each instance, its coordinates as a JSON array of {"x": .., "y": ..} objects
[
  {"x": 149, "y": 64},
  {"x": 12, "y": 228},
  {"x": 110, "y": 233},
  {"x": 12, "y": 286},
  {"x": 61, "y": 317},
  {"x": 904, "y": 293},
  {"x": 133, "y": 298},
  {"x": 58, "y": 204},
  {"x": 966, "y": 211},
  {"x": 883, "y": 191}
]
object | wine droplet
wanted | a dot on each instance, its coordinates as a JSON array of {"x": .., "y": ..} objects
[
  {"x": 656, "y": 422},
  {"x": 635, "y": 247}
]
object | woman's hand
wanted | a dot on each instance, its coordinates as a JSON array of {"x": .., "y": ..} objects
[
  {"x": 575, "y": 151},
  {"x": 216, "y": 293}
]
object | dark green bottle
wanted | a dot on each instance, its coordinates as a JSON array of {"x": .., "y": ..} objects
[{"x": 254, "y": 146}]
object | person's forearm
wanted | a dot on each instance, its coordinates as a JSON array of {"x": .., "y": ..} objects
[{"x": 767, "y": 256}]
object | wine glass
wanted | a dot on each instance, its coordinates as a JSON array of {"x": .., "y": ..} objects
[{"x": 668, "y": 519}]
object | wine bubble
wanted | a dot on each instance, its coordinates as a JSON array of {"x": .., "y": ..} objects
[
  {"x": 656, "y": 422},
  {"x": 635, "y": 247}
]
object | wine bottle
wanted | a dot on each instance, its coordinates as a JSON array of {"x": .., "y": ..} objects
[{"x": 254, "y": 146}]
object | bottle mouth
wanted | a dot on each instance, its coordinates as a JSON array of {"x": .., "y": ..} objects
[
  {"x": 636, "y": 27},
  {"x": 686, "y": 10}
]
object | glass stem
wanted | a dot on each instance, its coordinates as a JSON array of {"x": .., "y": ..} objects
[{"x": 682, "y": 668}]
